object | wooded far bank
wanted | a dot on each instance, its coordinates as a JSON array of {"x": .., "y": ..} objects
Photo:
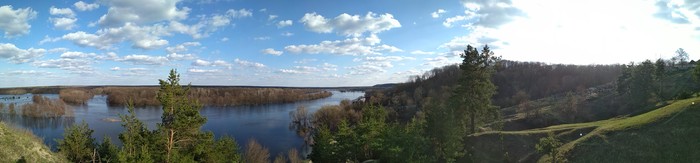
[{"x": 206, "y": 95}]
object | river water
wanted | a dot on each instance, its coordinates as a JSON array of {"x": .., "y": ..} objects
[{"x": 268, "y": 124}]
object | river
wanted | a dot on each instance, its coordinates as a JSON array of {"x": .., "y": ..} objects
[{"x": 268, "y": 124}]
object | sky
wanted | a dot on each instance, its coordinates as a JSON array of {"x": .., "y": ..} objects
[{"x": 321, "y": 43}]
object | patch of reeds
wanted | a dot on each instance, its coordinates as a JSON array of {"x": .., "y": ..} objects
[
  {"x": 46, "y": 108},
  {"x": 75, "y": 96}
]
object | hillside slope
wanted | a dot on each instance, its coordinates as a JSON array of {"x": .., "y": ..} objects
[
  {"x": 16, "y": 144},
  {"x": 666, "y": 134}
]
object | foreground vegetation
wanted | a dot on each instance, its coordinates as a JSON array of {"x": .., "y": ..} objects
[{"x": 17, "y": 145}]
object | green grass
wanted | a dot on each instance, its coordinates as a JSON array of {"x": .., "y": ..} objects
[
  {"x": 667, "y": 134},
  {"x": 17, "y": 143}
]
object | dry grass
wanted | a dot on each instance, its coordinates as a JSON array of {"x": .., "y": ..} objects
[
  {"x": 75, "y": 96},
  {"x": 45, "y": 107},
  {"x": 21, "y": 143}
]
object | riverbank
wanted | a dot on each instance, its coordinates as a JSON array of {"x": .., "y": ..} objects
[{"x": 17, "y": 144}]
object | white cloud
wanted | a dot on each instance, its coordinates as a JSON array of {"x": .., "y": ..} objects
[
  {"x": 239, "y": 13},
  {"x": 28, "y": 72},
  {"x": 194, "y": 70},
  {"x": 208, "y": 24},
  {"x": 15, "y": 22},
  {"x": 383, "y": 58},
  {"x": 175, "y": 53},
  {"x": 121, "y": 12},
  {"x": 80, "y": 66},
  {"x": 224, "y": 39},
  {"x": 350, "y": 46},
  {"x": 181, "y": 47},
  {"x": 248, "y": 63},
  {"x": 305, "y": 61},
  {"x": 284, "y": 23},
  {"x": 141, "y": 37},
  {"x": 437, "y": 13},
  {"x": 272, "y": 17},
  {"x": 64, "y": 23},
  {"x": 290, "y": 71},
  {"x": 608, "y": 38},
  {"x": 350, "y": 25},
  {"x": 216, "y": 63},
  {"x": 144, "y": 59},
  {"x": 329, "y": 67},
  {"x": 66, "y": 19},
  {"x": 365, "y": 69},
  {"x": 261, "y": 38},
  {"x": 287, "y": 34},
  {"x": 67, "y": 12},
  {"x": 420, "y": 52},
  {"x": 449, "y": 21},
  {"x": 179, "y": 57},
  {"x": 115, "y": 68},
  {"x": 271, "y": 51},
  {"x": 487, "y": 13},
  {"x": 680, "y": 12},
  {"x": 17, "y": 55},
  {"x": 439, "y": 61},
  {"x": 200, "y": 62},
  {"x": 77, "y": 55},
  {"x": 82, "y": 6}
]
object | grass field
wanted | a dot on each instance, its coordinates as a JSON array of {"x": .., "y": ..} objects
[
  {"x": 666, "y": 134},
  {"x": 16, "y": 144}
]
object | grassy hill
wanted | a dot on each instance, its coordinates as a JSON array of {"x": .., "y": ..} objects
[
  {"x": 16, "y": 144},
  {"x": 667, "y": 134}
]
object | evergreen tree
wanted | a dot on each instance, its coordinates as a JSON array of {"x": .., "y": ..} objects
[
  {"x": 108, "y": 151},
  {"x": 135, "y": 137},
  {"x": 445, "y": 131},
  {"x": 642, "y": 84},
  {"x": 225, "y": 150},
  {"x": 475, "y": 89},
  {"x": 324, "y": 149},
  {"x": 181, "y": 121},
  {"x": 77, "y": 143}
]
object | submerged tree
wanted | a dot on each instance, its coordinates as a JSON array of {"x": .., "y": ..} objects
[{"x": 475, "y": 89}]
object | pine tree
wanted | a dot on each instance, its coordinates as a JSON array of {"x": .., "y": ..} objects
[
  {"x": 108, "y": 151},
  {"x": 134, "y": 137},
  {"x": 475, "y": 89},
  {"x": 77, "y": 143},
  {"x": 181, "y": 121}
]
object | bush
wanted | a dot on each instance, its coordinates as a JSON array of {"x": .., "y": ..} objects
[
  {"x": 75, "y": 96},
  {"x": 255, "y": 152},
  {"x": 45, "y": 107}
]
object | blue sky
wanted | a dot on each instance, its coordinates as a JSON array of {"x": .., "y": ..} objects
[{"x": 320, "y": 43}]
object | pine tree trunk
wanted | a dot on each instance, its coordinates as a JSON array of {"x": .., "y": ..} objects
[{"x": 170, "y": 144}]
